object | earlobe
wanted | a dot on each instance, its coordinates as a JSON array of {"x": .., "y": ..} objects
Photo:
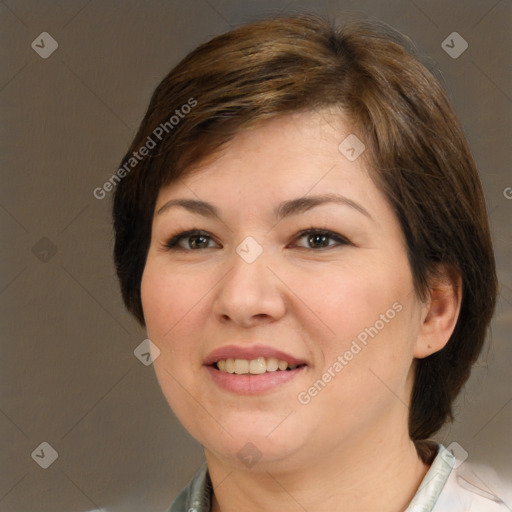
[{"x": 441, "y": 312}]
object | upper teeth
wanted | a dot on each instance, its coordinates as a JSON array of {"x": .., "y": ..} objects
[{"x": 253, "y": 366}]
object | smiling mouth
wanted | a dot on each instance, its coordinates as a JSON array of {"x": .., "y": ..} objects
[{"x": 256, "y": 366}]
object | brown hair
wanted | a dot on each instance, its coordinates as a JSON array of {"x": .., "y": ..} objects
[{"x": 416, "y": 151}]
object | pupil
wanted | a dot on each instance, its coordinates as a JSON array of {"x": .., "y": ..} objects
[
  {"x": 198, "y": 241},
  {"x": 318, "y": 240}
]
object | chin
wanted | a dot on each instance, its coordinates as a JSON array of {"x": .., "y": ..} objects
[{"x": 261, "y": 447}]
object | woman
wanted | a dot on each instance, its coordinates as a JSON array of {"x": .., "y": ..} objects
[{"x": 301, "y": 228}]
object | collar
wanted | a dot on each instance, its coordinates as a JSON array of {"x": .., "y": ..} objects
[
  {"x": 439, "y": 491},
  {"x": 433, "y": 483}
]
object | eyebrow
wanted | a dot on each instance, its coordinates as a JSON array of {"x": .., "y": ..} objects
[
  {"x": 302, "y": 204},
  {"x": 284, "y": 209}
]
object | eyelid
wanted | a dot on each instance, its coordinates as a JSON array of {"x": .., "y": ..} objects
[
  {"x": 325, "y": 232},
  {"x": 172, "y": 243}
]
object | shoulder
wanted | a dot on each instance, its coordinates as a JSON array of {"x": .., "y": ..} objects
[
  {"x": 474, "y": 488},
  {"x": 456, "y": 485}
]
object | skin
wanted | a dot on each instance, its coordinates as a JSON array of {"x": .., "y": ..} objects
[{"x": 348, "y": 448}]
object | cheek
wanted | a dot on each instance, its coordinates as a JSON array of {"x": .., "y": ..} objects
[
  {"x": 168, "y": 297},
  {"x": 368, "y": 328},
  {"x": 173, "y": 306},
  {"x": 349, "y": 298},
  {"x": 174, "y": 309}
]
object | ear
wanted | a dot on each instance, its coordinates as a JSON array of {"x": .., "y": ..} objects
[{"x": 440, "y": 312}]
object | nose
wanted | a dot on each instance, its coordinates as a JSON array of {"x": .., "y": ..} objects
[{"x": 250, "y": 294}]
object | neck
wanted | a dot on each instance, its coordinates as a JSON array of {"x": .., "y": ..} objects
[{"x": 370, "y": 473}]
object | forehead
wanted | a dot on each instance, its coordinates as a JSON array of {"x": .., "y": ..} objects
[{"x": 287, "y": 156}]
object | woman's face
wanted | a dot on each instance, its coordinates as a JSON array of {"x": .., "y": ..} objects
[{"x": 337, "y": 300}]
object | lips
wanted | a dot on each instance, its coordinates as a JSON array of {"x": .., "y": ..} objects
[{"x": 250, "y": 353}]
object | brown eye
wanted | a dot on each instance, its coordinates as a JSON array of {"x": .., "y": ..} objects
[
  {"x": 191, "y": 240},
  {"x": 198, "y": 242},
  {"x": 320, "y": 239}
]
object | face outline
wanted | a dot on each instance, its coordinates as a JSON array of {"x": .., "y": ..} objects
[{"x": 312, "y": 303}]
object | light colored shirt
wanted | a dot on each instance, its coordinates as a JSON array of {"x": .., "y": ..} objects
[{"x": 448, "y": 486}]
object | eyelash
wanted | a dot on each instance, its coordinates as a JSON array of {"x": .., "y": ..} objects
[{"x": 174, "y": 240}]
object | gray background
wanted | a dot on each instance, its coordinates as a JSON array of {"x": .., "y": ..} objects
[{"x": 69, "y": 376}]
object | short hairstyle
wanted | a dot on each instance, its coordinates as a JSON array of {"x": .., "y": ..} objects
[{"x": 416, "y": 153}]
